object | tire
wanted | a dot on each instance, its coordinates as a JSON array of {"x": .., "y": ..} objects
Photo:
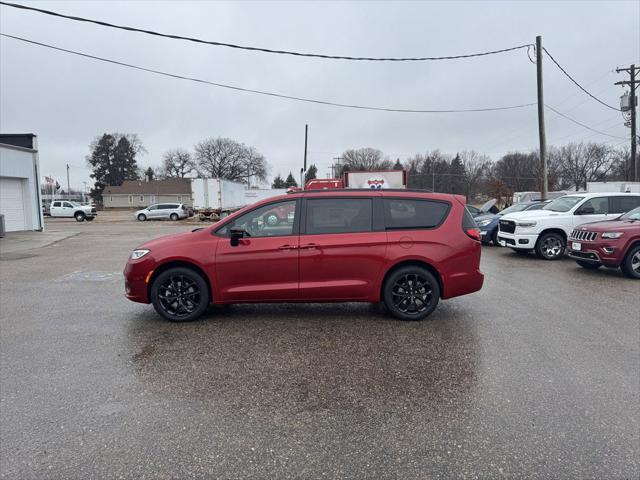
[
  {"x": 190, "y": 303},
  {"x": 271, "y": 219},
  {"x": 631, "y": 263},
  {"x": 411, "y": 293},
  {"x": 89, "y": 219},
  {"x": 79, "y": 216},
  {"x": 142, "y": 217},
  {"x": 589, "y": 265},
  {"x": 174, "y": 217},
  {"x": 550, "y": 246}
]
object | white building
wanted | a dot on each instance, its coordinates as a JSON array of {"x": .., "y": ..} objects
[{"x": 19, "y": 182}]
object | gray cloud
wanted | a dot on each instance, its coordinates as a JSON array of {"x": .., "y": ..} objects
[{"x": 68, "y": 101}]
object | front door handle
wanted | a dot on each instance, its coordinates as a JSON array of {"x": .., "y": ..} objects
[
  {"x": 287, "y": 247},
  {"x": 308, "y": 246}
]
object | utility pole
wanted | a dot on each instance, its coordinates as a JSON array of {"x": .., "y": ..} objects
[
  {"x": 541, "y": 133},
  {"x": 335, "y": 165},
  {"x": 306, "y": 133},
  {"x": 68, "y": 188},
  {"x": 633, "y": 167}
]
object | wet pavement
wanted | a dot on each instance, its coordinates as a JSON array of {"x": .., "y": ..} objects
[{"x": 536, "y": 376}]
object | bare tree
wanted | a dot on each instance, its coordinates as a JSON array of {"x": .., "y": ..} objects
[
  {"x": 231, "y": 160},
  {"x": 365, "y": 159},
  {"x": 586, "y": 162},
  {"x": 476, "y": 166},
  {"x": 177, "y": 163}
]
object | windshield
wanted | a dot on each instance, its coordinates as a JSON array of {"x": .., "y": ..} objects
[
  {"x": 631, "y": 215},
  {"x": 518, "y": 207},
  {"x": 562, "y": 204}
]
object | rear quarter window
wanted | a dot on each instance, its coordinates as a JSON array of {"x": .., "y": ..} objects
[{"x": 404, "y": 213}]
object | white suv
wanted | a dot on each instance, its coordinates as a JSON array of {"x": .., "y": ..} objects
[{"x": 546, "y": 231}]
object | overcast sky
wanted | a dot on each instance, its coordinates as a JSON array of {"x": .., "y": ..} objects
[{"x": 67, "y": 100}]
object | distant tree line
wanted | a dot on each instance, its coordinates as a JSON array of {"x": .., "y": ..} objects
[{"x": 113, "y": 159}]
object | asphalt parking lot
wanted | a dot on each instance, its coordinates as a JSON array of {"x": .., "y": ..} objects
[{"x": 536, "y": 376}]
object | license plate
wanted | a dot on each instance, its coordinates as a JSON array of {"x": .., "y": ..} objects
[{"x": 576, "y": 246}]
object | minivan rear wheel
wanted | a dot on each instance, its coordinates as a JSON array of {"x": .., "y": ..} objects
[
  {"x": 411, "y": 293},
  {"x": 180, "y": 294}
]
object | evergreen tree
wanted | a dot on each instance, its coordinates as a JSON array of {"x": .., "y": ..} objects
[
  {"x": 457, "y": 172},
  {"x": 398, "y": 165},
  {"x": 290, "y": 181},
  {"x": 278, "y": 182},
  {"x": 311, "y": 174},
  {"x": 149, "y": 174},
  {"x": 113, "y": 160}
]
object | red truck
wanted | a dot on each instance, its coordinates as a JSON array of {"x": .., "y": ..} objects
[{"x": 375, "y": 180}]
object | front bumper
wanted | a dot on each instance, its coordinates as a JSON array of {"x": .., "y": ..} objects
[
  {"x": 517, "y": 240},
  {"x": 605, "y": 253},
  {"x": 136, "y": 275}
]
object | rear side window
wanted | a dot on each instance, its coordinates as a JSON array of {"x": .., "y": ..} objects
[
  {"x": 338, "y": 215},
  {"x": 600, "y": 205},
  {"x": 57, "y": 204},
  {"x": 401, "y": 213},
  {"x": 623, "y": 204}
]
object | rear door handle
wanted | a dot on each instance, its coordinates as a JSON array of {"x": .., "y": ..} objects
[
  {"x": 287, "y": 247},
  {"x": 308, "y": 246}
]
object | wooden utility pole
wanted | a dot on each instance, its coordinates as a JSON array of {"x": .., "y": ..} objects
[
  {"x": 541, "y": 133},
  {"x": 68, "y": 185},
  {"x": 304, "y": 169},
  {"x": 633, "y": 167}
]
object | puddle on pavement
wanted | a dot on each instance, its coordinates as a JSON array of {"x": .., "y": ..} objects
[{"x": 92, "y": 276}]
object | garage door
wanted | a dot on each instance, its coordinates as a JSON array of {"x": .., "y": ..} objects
[{"x": 12, "y": 204}]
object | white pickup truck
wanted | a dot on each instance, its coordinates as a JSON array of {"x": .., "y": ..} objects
[
  {"x": 546, "y": 231},
  {"x": 64, "y": 208}
]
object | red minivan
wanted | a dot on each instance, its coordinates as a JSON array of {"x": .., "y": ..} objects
[{"x": 405, "y": 248}]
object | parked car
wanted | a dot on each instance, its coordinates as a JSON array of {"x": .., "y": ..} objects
[
  {"x": 163, "y": 211},
  {"x": 46, "y": 209},
  {"x": 612, "y": 243},
  {"x": 488, "y": 207},
  {"x": 64, "y": 208},
  {"x": 546, "y": 231},
  {"x": 408, "y": 249},
  {"x": 488, "y": 222}
]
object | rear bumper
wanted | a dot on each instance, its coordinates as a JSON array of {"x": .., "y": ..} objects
[
  {"x": 517, "y": 240},
  {"x": 462, "y": 284}
]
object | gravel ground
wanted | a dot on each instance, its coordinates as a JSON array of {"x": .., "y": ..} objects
[{"x": 536, "y": 376}]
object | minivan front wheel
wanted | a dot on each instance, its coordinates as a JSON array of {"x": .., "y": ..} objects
[
  {"x": 180, "y": 294},
  {"x": 411, "y": 293},
  {"x": 174, "y": 217}
]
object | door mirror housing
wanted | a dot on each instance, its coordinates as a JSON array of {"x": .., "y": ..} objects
[
  {"x": 585, "y": 211},
  {"x": 236, "y": 233}
]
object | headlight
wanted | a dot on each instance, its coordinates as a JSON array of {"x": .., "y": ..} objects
[
  {"x": 484, "y": 223},
  {"x": 526, "y": 223},
  {"x": 612, "y": 234},
  {"x": 136, "y": 254}
]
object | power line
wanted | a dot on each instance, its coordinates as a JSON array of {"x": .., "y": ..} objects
[
  {"x": 259, "y": 49},
  {"x": 577, "y": 84},
  {"x": 261, "y": 92},
  {"x": 579, "y": 123}
]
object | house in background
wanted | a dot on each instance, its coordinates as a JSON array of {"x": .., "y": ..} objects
[
  {"x": 140, "y": 193},
  {"x": 19, "y": 182}
]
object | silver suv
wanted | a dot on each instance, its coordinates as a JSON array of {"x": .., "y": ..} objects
[{"x": 163, "y": 211}]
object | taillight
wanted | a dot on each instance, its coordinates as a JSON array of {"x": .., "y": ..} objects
[{"x": 473, "y": 233}]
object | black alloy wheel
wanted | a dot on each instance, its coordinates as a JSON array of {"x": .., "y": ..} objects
[
  {"x": 411, "y": 293},
  {"x": 180, "y": 294}
]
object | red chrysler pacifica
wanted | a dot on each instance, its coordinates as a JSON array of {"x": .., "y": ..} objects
[{"x": 405, "y": 248}]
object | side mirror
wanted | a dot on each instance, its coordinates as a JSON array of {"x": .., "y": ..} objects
[
  {"x": 586, "y": 211},
  {"x": 236, "y": 234}
]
